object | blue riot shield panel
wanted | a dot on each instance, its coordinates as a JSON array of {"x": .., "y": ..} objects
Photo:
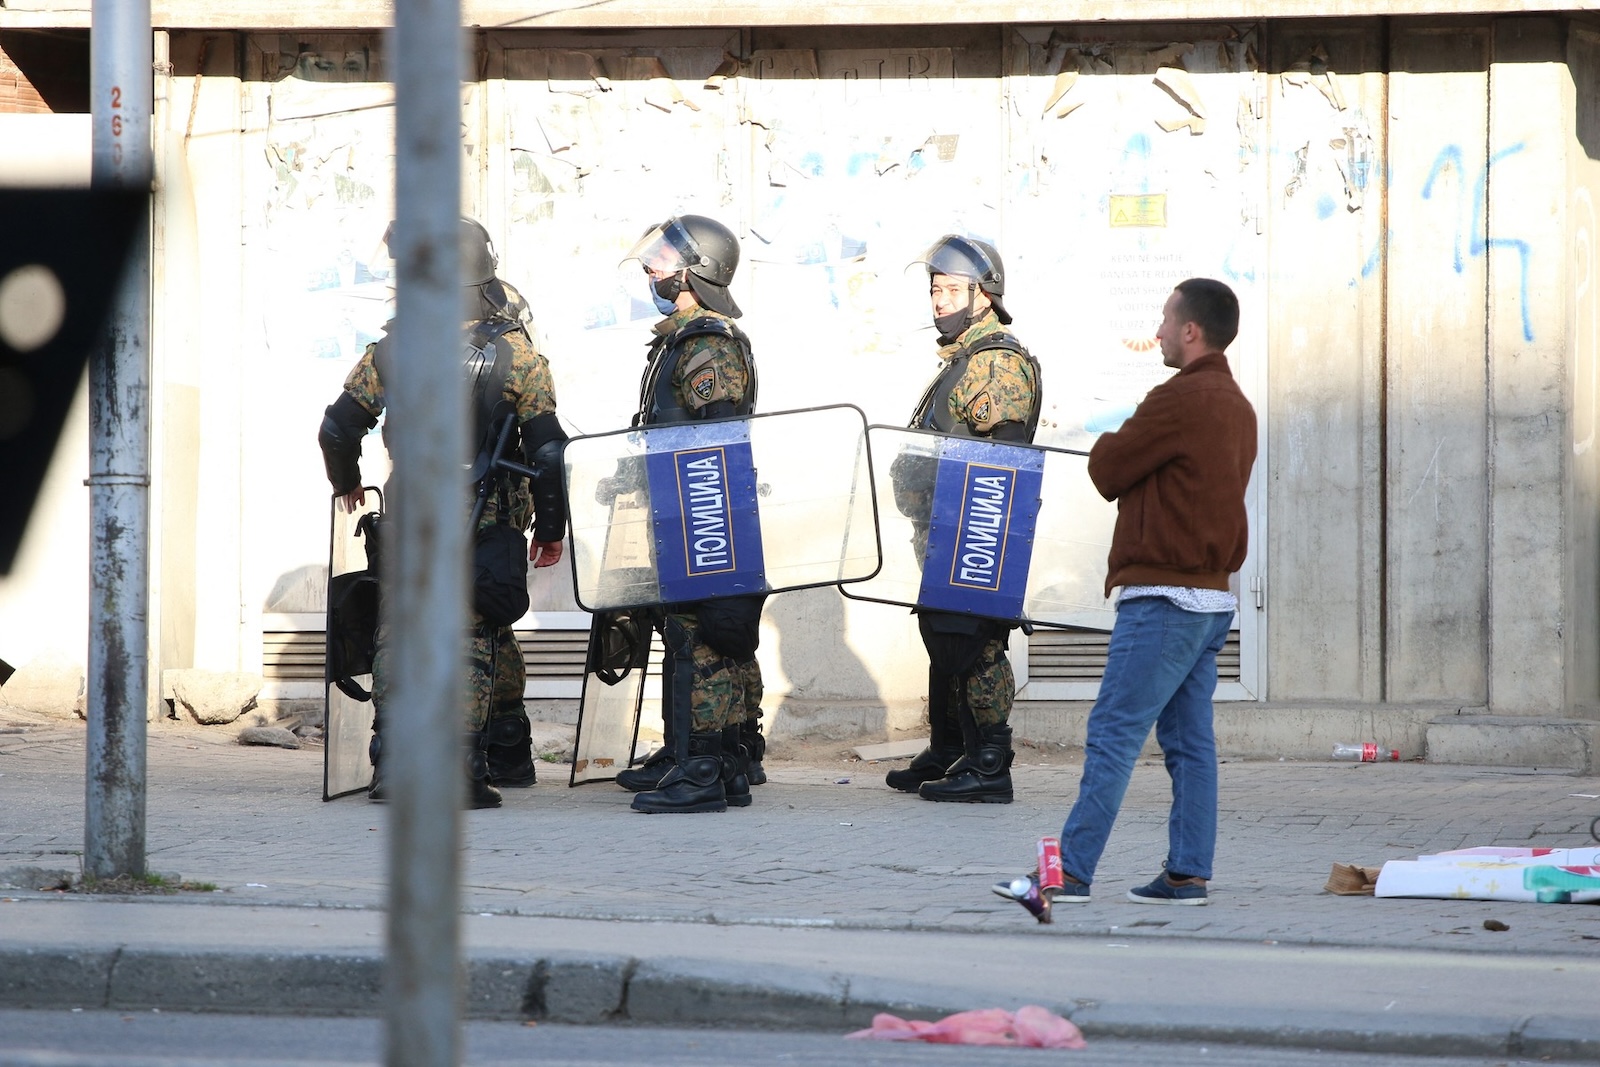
[
  {"x": 1005, "y": 531},
  {"x": 697, "y": 511},
  {"x": 351, "y": 632}
]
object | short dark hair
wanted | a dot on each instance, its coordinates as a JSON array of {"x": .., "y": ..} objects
[{"x": 1210, "y": 305}]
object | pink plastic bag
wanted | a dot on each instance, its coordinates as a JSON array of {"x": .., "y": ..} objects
[{"x": 1028, "y": 1027}]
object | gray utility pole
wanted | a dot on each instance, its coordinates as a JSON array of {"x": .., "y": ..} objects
[
  {"x": 425, "y": 602},
  {"x": 120, "y": 87}
]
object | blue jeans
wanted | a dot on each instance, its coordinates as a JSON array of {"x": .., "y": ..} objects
[{"x": 1161, "y": 671}]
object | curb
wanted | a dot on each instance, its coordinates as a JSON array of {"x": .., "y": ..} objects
[{"x": 622, "y": 990}]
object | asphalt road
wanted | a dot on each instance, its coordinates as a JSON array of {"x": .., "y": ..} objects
[{"x": 167, "y": 1039}]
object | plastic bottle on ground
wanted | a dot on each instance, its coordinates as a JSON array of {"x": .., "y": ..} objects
[{"x": 1365, "y": 753}]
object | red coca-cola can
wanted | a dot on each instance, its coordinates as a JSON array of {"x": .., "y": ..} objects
[{"x": 1051, "y": 876}]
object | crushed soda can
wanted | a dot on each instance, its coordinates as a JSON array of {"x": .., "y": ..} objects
[
  {"x": 1051, "y": 876},
  {"x": 1025, "y": 891}
]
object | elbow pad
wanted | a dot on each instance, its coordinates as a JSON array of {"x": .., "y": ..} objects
[
  {"x": 542, "y": 441},
  {"x": 344, "y": 423},
  {"x": 717, "y": 409}
]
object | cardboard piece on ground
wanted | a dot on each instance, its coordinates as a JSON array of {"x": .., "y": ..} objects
[
  {"x": 892, "y": 749},
  {"x": 1349, "y": 880}
]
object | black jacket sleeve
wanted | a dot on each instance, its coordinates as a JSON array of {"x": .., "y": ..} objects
[{"x": 344, "y": 423}]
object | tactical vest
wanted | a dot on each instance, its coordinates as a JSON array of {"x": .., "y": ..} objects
[
  {"x": 933, "y": 411},
  {"x": 487, "y": 366},
  {"x": 658, "y": 401}
]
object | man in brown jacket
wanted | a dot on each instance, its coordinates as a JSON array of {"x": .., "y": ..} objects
[{"x": 1177, "y": 469}]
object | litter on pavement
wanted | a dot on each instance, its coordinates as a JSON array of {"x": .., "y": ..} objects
[
  {"x": 1028, "y": 1027},
  {"x": 1541, "y": 875}
]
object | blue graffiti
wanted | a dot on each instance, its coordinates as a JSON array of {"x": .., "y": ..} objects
[
  {"x": 1449, "y": 157},
  {"x": 1136, "y": 161},
  {"x": 1378, "y": 251},
  {"x": 1326, "y": 207},
  {"x": 1479, "y": 243},
  {"x": 1233, "y": 271}
]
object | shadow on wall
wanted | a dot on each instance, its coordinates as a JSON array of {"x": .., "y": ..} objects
[
  {"x": 302, "y": 590},
  {"x": 831, "y": 694}
]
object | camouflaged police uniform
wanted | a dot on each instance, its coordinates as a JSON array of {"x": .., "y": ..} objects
[
  {"x": 710, "y": 368},
  {"x": 496, "y": 672},
  {"x": 998, "y": 387}
]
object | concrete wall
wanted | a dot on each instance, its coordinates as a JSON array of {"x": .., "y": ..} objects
[
  {"x": 1326, "y": 206},
  {"x": 630, "y": 14},
  {"x": 1405, "y": 205},
  {"x": 1433, "y": 504},
  {"x": 1580, "y": 91}
]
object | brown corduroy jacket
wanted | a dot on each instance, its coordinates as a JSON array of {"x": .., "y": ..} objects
[{"x": 1178, "y": 470}]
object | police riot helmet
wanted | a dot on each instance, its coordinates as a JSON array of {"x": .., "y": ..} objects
[
  {"x": 704, "y": 247},
  {"x": 968, "y": 257},
  {"x": 478, "y": 260}
]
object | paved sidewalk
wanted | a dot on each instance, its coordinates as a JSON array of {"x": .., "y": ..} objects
[{"x": 829, "y": 898}]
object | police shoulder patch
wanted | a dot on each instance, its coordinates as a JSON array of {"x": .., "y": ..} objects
[
  {"x": 703, "y": 383},
  {"x": 980, "y": 409}
]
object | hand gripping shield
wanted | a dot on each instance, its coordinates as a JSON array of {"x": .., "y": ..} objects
[
  {"x": 695, "y": 511},
  {"x": 351, "y": 632},
  {"x": 989, "y": 528}
]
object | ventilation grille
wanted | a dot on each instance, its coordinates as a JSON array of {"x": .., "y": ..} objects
[
  {"x": 554, "y": 655},
  {"x": 1075, "y": 656},
  {"x": 292, "y": 655},
  {"x": 297, "y": 655},
  {"x": 557, "y": 655}
]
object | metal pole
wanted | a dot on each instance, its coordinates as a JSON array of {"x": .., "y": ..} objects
[
  {"x": 425, "y": 600},
  {"x": 120, "y": 87}
]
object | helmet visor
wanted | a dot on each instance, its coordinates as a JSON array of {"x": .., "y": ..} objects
[
  {"x": 955, "y": 255},
  {"x": 667, "y": 248}
]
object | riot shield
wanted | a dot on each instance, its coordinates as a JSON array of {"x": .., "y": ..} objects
[
  {"x": 352, "y": 617},
  {"x": 980, "y": 527},
  {"x": 695, "y": 511},
  {"x": 613, "y": 696}
]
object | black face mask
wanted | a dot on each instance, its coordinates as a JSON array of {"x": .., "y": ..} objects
[
  {"x": 666, "y": 292},
  {"x": 953, "y": 325}
]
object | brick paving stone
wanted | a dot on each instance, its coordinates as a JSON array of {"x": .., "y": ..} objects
[{"x": 826, "y": 842}]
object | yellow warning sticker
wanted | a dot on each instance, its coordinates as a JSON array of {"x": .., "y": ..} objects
[{"x": 1139, "y": 209}]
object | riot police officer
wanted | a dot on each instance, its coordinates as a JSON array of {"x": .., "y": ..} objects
[
  {"x": 510, "y": 384},
  {"x": 699, "y": 366},
  {"x": 987, "y": 385}
]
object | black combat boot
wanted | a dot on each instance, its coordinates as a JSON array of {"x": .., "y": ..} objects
[
  {"x": 693, "y": 785},
  {"x": 944, "y": 742},
  {"x": 983, "y": 777},
  {"x": 511, "y": 752},
  {"x": 647, "y": 775},
  {"x": 735, "y": 769},
  {"x": 929, "y": 765},
  {"x": 376, "y": 791},
  {"x": 481, "y": 792},
  {"x": 755, "y": 745}
]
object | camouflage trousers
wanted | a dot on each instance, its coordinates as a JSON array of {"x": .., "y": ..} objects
[
  {"x": 991, "y": 686},
  {"x": 496, "y": 675},
  {"x": 717, "y": 695},
  {"x": 749, "y": 673}
]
